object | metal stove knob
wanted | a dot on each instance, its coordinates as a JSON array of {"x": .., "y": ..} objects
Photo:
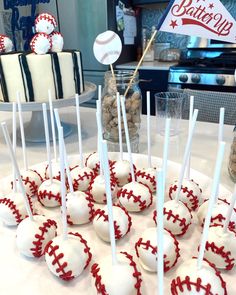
[
  {"x": 220, "y": 79},
  {"x": 196, "y": 78},
  {"x": 183, "y": 78}
]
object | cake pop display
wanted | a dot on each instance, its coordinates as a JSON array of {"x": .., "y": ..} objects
[
  {"x": 32, "y": 237},
  {"x": 122, "y": 222},
  {"x": 45, "y": 23},
  {"x": 146, "y": 250},
  {"x": 190, "y": 194},
  {"x": 57, "y": 41},
  {"x": 66, "y": 255},
  {"x": 6, "y": 44},
  {"x": 41, "y": 43},
  {"x": 191, "y": 280}
]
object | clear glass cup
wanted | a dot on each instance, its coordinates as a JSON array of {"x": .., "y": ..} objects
[
  {"x": 133, "y": 103},
  {"x": 169, "y": 105}
]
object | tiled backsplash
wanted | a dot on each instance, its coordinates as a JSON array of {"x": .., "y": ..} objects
[{"x": 152, "y": 16}]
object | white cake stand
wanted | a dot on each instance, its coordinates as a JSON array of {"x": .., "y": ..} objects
[{"x": 34, "y": 129}]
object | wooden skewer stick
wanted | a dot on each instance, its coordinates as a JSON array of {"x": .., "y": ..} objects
[{"x": 141, "y": 60}]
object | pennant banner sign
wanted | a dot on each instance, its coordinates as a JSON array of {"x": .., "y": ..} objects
[{"x": 202, "y": 18}]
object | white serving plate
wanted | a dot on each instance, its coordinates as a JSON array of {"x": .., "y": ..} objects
[{"x": 21, "y": 275}]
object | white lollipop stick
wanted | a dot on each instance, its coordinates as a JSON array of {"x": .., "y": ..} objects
[
  {"x": 189, "y": 128},
  {"x": 45, "y": 120},
  {"x": 99, "y": 108},
  {"x": 100, "y": 92},
  {"x": 18, "y": 175},
  {"x": 230, "y": 210},
  {"x": 221, "y": 125},
  {"x": 148, "y": 130},
  {"x": 14, "y": 141},
  {"x": 186, "y": 154},
  {"x": 166, "y": 150},
  {"x": 122, "y": 99},
  {"x": 79, "y": 131},
  {"x": 52, "y": 125},
  {"x": 119, "y": 125},
  {"x": 63, "y": 186},
  {"x": 58, "y": 122},
  {"x": 99, "y": 125},
  {"x": 109, "y": 201},
  {"x": 160, "y": 229},
  {"x": 219, "y": 161},
  {"x": 22, "y": 131}
]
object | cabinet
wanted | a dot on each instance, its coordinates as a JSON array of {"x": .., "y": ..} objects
[
  {"x": 153, "y": 81},
  {"x": 143, "y": 2}
]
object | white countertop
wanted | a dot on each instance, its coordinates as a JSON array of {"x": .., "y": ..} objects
[
  {"x": 204, "y": 145},
  {"x": 148, "y": 65}
]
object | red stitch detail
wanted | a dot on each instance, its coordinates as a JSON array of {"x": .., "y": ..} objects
[
  {"x": 58, "y": 177},
  {"x": 46, "y": 16},
  {"x": 101, "y": 289},
  {"x": 175, "y": 218},
  {"x": 124, "y": 193},
  {"x": 2, "y": 45},
  {"x": 113, "y": 173},
  {"x": 147, "y": 176},
  {"x": 51, "y": 251},
  {"x": 178, "y": 283},
  {"x": 193, "y": 199},
  {"x": 37, "y": 250},
  {"x": 99, "y": 213},
  {"x": 35, "y": 38},
  {"x": 91, "y": 211},
  {"x": 146, "y": 245},
  {"x": 81, "y": 178},
  {"x": 96, "y": 169},
  {"x": 48, "y": 195}
]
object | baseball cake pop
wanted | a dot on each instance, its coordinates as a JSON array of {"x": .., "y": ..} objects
[
  {"x": 146, "y": 250},
  {"x": 55, "y": 170},
  {"x": 6, "y": 44},
  {"x": 31, "y": 180},
  {"x": 147, "y": 176},
  {"x": 81, "y": 178},
  {"x": 45, "y": 23},
  {"x": 122, "y": 222},
  {"x": 80, "y": 208},
  {"x": 49, "y": 193},
  {"x": 57, "y": 41},
  {"x": 121, "y": 172},
  {"x": 92, "y": 161},
  {"x": 40, "y": 43}
]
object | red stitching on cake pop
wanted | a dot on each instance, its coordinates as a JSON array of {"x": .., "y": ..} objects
[
  {"x": 53, "y": 251},
  {"x": 82, "y": 177},
  {"x": 58, "y": 177},
  {"x": 91, "y": 209},
  {"x": 178, "y": 283},
  {"x": 36, "y": 37},
  {"x": 175, "y": 217},
  {"x": 147, "y": 245},
  {"x": 99, "y": 213},
  {"x": 38, "y": 251},
  {"x": 2, "y": 45},
  {"x": 124, "y": 193},
  {"x": 96, "y": 169},
  {"x": 147, "y": 176},
  {"x": 100, "y": 287},
  {"x": 48, "y": 195},
  {"x": 113, "y": 173},
  {"x": 46, "y": 16},
  {"x": 191, "y": 197}
]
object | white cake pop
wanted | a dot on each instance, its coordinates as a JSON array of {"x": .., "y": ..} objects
[
  {"x": 135, "y": 197},
  {"x": 121, "y": 172},
  {"x": 6, "y": 44},
  {"x": 12, "y": 209},
  {"x": 122, "y": 222},
  {"x": 93, "y": 162},
  {"x": 122, "y": 278},
  {"x": 190, "y": 194},
  {"x": 67, "y": 258},
  {"x": 57, "y": 41},
  {"x": 45, "y": 23},
  {"x": 55, "y": 170},
  {"x": 218, "y": 215},
  {"x": 81, "y": 178},
  {"x": 191, "y": 281},
  {"x": 79, "y": 207},
  {"x": 40, "y": 43},
  {"x": 220, "y": 247},
  {"x": 177, "y": 217},
  {"x": 31, "y": 180},
  {"x": 32, "y": 236},
  {"x": 146, "y": 250},
  {"x": 49, "y": 193},
  {"x": 97, "y": 189},
  {"x": 147, "y": 176}
]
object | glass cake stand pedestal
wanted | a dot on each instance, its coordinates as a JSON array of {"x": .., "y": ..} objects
[{"x": 34, "y": 129}]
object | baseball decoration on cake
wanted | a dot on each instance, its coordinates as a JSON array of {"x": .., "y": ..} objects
[
  {"x": 146, "y": 250},
  {"x": 33, "y": 236},
  {"x": 49, "y": 193},
  {"x": 57, "y": 41},
  {"x": 41, "y": 43},
  {"x": 190, "y": 194},
  {"x": 122, "y": 222},
  {"x": 6, "y": 44},
  {"x": 45, "y": 23},
  {"x": 107, "y": 47},
  {"x": 80, "y": 208}
]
